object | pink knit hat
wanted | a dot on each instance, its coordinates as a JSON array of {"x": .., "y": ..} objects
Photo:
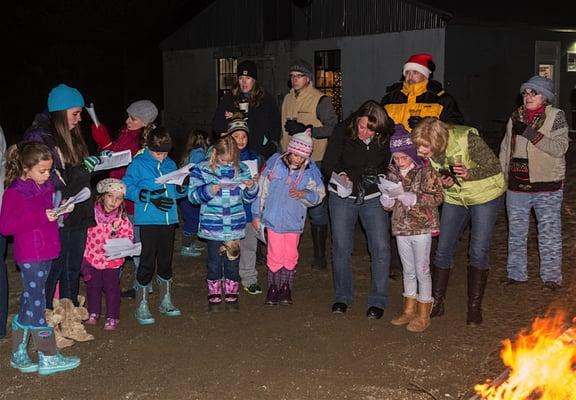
[{"x": 301, "y": 144}]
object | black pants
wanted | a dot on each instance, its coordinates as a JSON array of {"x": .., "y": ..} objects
[
  {"x": 157, "y": 249},
  {"x": 66, "y": 268}
]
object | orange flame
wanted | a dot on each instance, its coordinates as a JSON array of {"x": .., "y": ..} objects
[{"x": 540, "y": 361}]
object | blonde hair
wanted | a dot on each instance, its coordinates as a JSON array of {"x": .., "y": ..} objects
[
  {"x": 225, "y": 146},
  {"x": 433, "y": 131}
]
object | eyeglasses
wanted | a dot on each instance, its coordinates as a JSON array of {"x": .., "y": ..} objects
[
  {"x": 297, "y": 76},
  {"x": 529, "y": 93}
]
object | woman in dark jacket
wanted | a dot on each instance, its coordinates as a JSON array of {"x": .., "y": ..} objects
[
  {"x": 59, "y": 129},
  {"x": 248, "y": 96},
  {"x": 358, "y": 151}
]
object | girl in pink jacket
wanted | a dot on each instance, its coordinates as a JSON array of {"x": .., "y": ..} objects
[{"x": 102, "y": 273}]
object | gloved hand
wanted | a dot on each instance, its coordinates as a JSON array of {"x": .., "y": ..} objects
[
  {"x": 91, "y": 162},
  {"x": 386, "y": 201},
  {"x": 100, "y": 135},
  {"x": 268, "y": 149},
  {"x": 155, "y": 197},
  {"x": 105, "y": 153},
  {"x": 408, "y": 199},
  {"x": 518, "y": 127},
  {"x": 413, "y": 121},
  {"x": 293, "y": 127}
]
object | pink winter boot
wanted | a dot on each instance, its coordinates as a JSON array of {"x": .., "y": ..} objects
[
  {"x": 214, "y": 295},
  {"x": 231, "y": 289}
]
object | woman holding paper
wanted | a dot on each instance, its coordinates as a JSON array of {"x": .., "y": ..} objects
[
  {"x": 59, "y": 129},
  {"x": 358, "y": 151},
  {"x": 473, "y": 192}
]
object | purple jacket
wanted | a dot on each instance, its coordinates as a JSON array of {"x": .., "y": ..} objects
[{"x": 23, "y": 216}]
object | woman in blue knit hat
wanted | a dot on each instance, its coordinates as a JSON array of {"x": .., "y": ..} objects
[
  {"x": 532, "y": 155},
  {"x": 58, "y": 127}
]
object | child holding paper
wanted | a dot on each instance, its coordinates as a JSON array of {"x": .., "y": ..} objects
[
  {"x": 101, "y": 274},
  {"x": 290, "y": 183},
  {"x": 222, "y": 184},
  {"x": 27, "y": 215},
  {"x": 196, "y": 148},
  {"x": 238, "y": 129},
  {"x": 156, "y": 215},
  {"x": 414, "y": 218}
]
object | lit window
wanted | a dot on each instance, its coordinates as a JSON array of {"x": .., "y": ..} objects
[
  {"x": 226, "y": 75},
  {"x": 329, "y": 77}
]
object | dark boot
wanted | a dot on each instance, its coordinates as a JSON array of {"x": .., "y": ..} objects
[
  {"x": 319, "y": 233},
  {"x": 477, "y": 279},
  {"x": 273, "y": 292},
  {"x": 285, "y": 295},
  {"x": 439, "y": 284}
]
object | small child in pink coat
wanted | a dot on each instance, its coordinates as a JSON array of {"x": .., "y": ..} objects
[{"x": 102, "y": 274}]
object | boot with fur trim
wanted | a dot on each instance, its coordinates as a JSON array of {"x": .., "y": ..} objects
[
  {"x": 54, "y": 318},
  {"x": 72, "y": 326}
]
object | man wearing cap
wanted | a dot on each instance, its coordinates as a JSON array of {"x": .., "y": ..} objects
[
  {"x": 249, "y": 97},
  {"x": 305, "y": 105},
  {"x": 417, "y": 95}
]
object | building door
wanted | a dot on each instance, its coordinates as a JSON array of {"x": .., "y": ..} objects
[{"x": 547, "y": 62}]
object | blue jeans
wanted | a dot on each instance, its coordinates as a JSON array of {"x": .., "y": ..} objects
[
  {"x": 219, "y": 265},
  {"x": 66, "y": 268},
  {"x": 190, "y": 217},
  {"x": 3, "y": 287},
  {"x": 452, "y": 223},
  {"x": 547, "y": 206},
  {"x": 344, "y": 214}
]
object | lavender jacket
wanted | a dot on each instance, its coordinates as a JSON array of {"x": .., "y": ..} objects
[{"x": 23, "y": 216}]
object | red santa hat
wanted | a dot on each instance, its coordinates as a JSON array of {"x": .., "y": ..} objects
[{"x": 420, "y": 62}]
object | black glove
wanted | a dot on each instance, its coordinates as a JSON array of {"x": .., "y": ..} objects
[
  {"x": 518, "y": 127},
  {"x": 293, "y": 127},
  {"x": 268, "y": 149},
  {"x": 413, "y": 121},
  {"x": 155, "y": 197},
  {"x": 181, "y": 189}
]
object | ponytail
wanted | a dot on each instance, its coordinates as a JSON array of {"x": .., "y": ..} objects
[{"x": 23, "y": 156}]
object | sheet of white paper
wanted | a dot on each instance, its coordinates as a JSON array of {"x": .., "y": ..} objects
[
  {"x": 81, "y": 196},
  {"x": 253, "y": 166},
  {"x": 121, "y": 247},
  {"x": 392, "y": 189},
  {"x": 230, "y": 184},
  {"x": 343, "y": 186},
  {"x": 176, "y": 177},
  {"x": 115, "y": 160},
  {"x": 92, "y": 113}
]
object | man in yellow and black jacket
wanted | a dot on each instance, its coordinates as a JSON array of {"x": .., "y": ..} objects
[{"x": 417, "y": 96}]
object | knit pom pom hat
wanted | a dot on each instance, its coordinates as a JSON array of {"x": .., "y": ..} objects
[
  {"x": 301, "y": 144},
  {"x": 400, "y": 142},
  {"x": 420, "y": 62}
]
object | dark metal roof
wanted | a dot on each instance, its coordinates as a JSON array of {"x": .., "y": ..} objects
[{"x": 237, "y": 22}]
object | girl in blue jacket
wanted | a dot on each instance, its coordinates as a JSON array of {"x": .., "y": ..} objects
[
  {"x": 222, "y": 184},
  {"x": 290, "y": 183},
  {"x": 156, "y": 214}
]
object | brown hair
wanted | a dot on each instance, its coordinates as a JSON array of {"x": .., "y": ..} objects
[
  {"x": 196, "y": 138},
  {"x": 24, "y": 156},
  {"x": 158, "y": 137},
  {"x": 433, "y": 131},
  {"x": 378, "y": 121},
  {"x": 70, "y": 141},
  {"x": 256, "y": 94},
  {"x": 122, "y": 213},
  {"x": 225, "y": 146}
]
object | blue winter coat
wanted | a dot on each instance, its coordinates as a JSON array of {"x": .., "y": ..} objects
[
  {"x": 275, "y": 207},
  {"x": 222, "y": 215},
  {"x": 141, "y": 173}
]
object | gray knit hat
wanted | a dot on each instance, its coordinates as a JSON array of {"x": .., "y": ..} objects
[
  {"x": 540, "y": 85},
  {"x": 145, "y": 110},
  {"x": 301, "y": 66}
]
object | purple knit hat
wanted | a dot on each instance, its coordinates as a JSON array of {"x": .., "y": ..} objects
[{"x": 400, "y": 142}]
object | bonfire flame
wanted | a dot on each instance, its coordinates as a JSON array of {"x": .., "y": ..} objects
[{"x": 540, "y": 361}]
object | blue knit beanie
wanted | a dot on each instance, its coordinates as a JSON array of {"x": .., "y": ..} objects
[
  {"x": 63, "y": 97},
  {"x": 540, "y": 85}
]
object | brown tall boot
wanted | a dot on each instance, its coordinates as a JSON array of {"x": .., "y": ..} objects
[
  {"x": 409, "y": 312},
  {"x": 477, "y": 279},
  {"x": 72, "y": 327},
  {"x": 440, "y": 278},
  {"x": 54, "y": 318},
  {"x": 422, "y": 321}
]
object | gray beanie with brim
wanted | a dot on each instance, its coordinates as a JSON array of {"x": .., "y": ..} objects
[{"x": 540, "y": 85}]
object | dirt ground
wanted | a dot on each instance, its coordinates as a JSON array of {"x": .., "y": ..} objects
[{"x": 301, "y": 351}]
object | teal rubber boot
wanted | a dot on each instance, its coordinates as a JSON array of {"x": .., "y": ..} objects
[
  {"x": 142, "y": 314},
  {"x": 166, "y": 306},
  {"x": 20, "y": 358},
  {"x": 50, "y": 360}
]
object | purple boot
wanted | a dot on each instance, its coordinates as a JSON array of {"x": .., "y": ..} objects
[
  {"x": 285, "y": 295},
  {"x": 214, "y": 295},
  {"x": 231, "y": 289},
  {"x": 273, "y": 292}
]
